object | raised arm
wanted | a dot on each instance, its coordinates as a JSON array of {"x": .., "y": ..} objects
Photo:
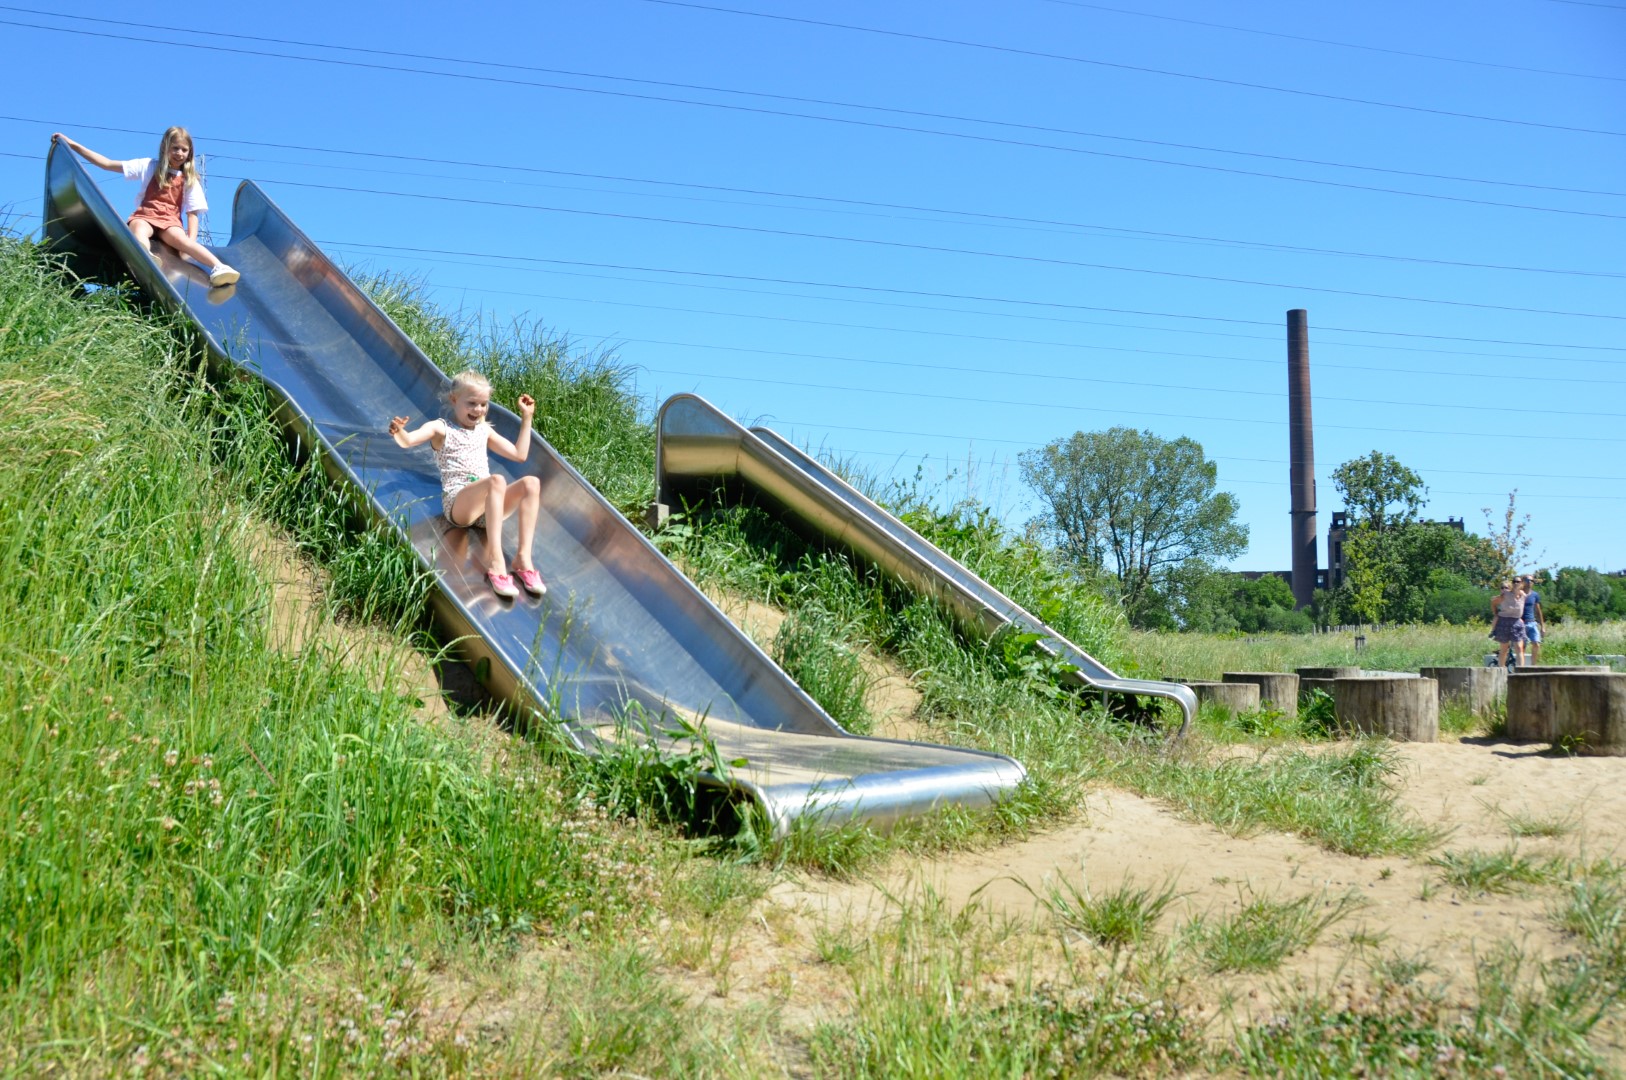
[
  {"x": 405, "y": 439},
  {"x": 520, "y": 448},
  {"x": 101, "y": 161}
]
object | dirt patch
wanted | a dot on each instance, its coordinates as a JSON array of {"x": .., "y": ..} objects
[{"x": 1486, "y": 790}]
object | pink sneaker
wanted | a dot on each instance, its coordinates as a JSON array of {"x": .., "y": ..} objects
[
  {"x": 502, "y": 585},
  {"x": 532, "y": 581}
]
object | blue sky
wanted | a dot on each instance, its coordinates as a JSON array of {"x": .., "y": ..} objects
[{"x": 932, "y": 236}]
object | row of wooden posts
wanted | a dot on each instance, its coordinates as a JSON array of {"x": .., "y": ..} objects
[{"x": 1578, "y": 707}]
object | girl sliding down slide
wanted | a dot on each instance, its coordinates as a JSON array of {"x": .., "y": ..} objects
[
  {"x": 172, "y": 199},
  {"x": 469, "y": 493}
]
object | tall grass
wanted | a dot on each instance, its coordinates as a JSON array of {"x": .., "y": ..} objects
[
  {"x": 1397, "y": 648},
  {"x": 186, "y": 809}
]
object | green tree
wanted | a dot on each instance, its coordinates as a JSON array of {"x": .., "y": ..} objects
[
  {"x": 1387, "y": 572},
  {"x": 1379, "y": 491},
  {"x": 1136, "y": 505},
  {"x": 1591, "y": 595}
]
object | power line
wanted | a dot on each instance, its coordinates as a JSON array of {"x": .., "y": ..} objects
[
  {"x": 993, "y": 254},
  {"x": 1225, "y": 481},
  {"x": 813, "y": 116},
  {"x": 421, "y": 255},
  {"x": 801, "y": 100},
  {"x": 1217, "y": 457},
  {"x": 991, "y": 218},
  {"x": 1052, "y": 344},
  {"x": 1008, "y": 300},
  {"x": 1339, "y": 44},
  {"x": 941, "y": 250},
  {"x": 1037, "y": 54},
  {"x": 984, "y": 400},
  {"x": 1232, "y": 359}
]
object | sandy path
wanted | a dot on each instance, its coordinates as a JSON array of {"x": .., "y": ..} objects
[{"x": 1405, "y": 909}]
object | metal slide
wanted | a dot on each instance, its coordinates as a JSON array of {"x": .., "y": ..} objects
[
  {"x": 699, "y": 446},
  {"x": 623, "y": 646}
]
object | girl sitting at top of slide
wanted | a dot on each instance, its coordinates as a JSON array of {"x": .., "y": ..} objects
[{"x": 172, "y": 198}]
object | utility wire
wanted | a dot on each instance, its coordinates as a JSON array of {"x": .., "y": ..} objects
[
  {"x": 1223, "y": 482},
  {"x": 1338, "y": 44},
  {"x": 942, "y": 250},
  {"x": 995, "y": 299},
  {"x": 947, "y": 211},
  {"x": 1037, "y": 54},
  {"x": 711, "y": 346},
  {"x": 1217, "y": 457},
  {"x": 826, "y": 119},
  {"x": 800, "y": 100},
  {"x": 485, "y": 258},
  {"x": 983, "y": 400}
]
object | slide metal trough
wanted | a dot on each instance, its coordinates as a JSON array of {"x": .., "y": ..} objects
[
  {"x": 623, "y": 645},
  {"x": 700, "y": 446}
]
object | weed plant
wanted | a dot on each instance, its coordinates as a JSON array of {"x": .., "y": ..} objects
[
  {"x": 1264, "y": 931},
  {"x": 1475, "y": 873},
  {"x": 1120, "y": 917}
]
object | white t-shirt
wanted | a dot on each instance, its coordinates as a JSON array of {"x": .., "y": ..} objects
[{"x": 141, "y": 170}]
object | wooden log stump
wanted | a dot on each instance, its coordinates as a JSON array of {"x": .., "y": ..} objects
[
  {"x": 1478, "y": 689},
  {"x": 1589, "y": 712},
  {"x": 1555, "y": 669},
  {"x": 1236, "y": 697},
  {"x": 1405, "y": 708},
  {"x": 1530, "y": 708},
  {"x": 1348, "y": 671},
  {"x": 1280, "y": 690}
]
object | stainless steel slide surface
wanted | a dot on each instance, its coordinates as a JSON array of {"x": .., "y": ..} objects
[
  {"x": 699, "y": 443},
  {"x": 623, "y": 646}
]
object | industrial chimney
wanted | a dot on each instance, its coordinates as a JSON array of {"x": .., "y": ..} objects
[{"x": 1301, "y": 457}]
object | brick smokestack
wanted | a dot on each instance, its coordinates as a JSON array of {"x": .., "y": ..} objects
[{"x": 1301, "y": 457}]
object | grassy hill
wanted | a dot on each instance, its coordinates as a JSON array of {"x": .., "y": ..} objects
[{"x": 228, "y": 848}]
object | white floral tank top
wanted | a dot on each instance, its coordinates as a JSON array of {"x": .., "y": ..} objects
[{"x": 462, "y": 459}]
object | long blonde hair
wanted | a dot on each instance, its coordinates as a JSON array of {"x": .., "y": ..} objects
[{"x": 189, "y": 171}]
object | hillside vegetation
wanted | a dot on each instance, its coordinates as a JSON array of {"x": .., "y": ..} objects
[{"x": 225, "y": 849}]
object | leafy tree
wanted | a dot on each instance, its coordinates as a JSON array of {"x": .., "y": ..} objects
[
  {"x": 1379, "y": 491},
  {"x": 1474, "y": 559},
  {"x": 1387, "y": 571},
  {"x": 1135, "y": 504},
  {"x": 1591, "y": 595},
  {"x": 1366, "y": 572}
]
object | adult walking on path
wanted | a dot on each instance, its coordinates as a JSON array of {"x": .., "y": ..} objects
[
  {"x": 1535, "y": 623},
  {"x": 1508, "y": 608}
]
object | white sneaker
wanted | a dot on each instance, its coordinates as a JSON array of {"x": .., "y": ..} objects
[{"x": 222, "y": 275}]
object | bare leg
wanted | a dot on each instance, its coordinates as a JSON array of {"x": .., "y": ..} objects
[
  {"x": 176, "y": 238},
  {"x": 527, "y": 493},
  {"x": 486, "y": 495},
  {"x": 143, "y": 231},
  {"x": 1501, "y": 653}
]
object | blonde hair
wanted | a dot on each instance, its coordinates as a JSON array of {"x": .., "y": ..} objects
[
  {"x": 189, "y": 171},
  {"x": 464, "y": 381}
]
